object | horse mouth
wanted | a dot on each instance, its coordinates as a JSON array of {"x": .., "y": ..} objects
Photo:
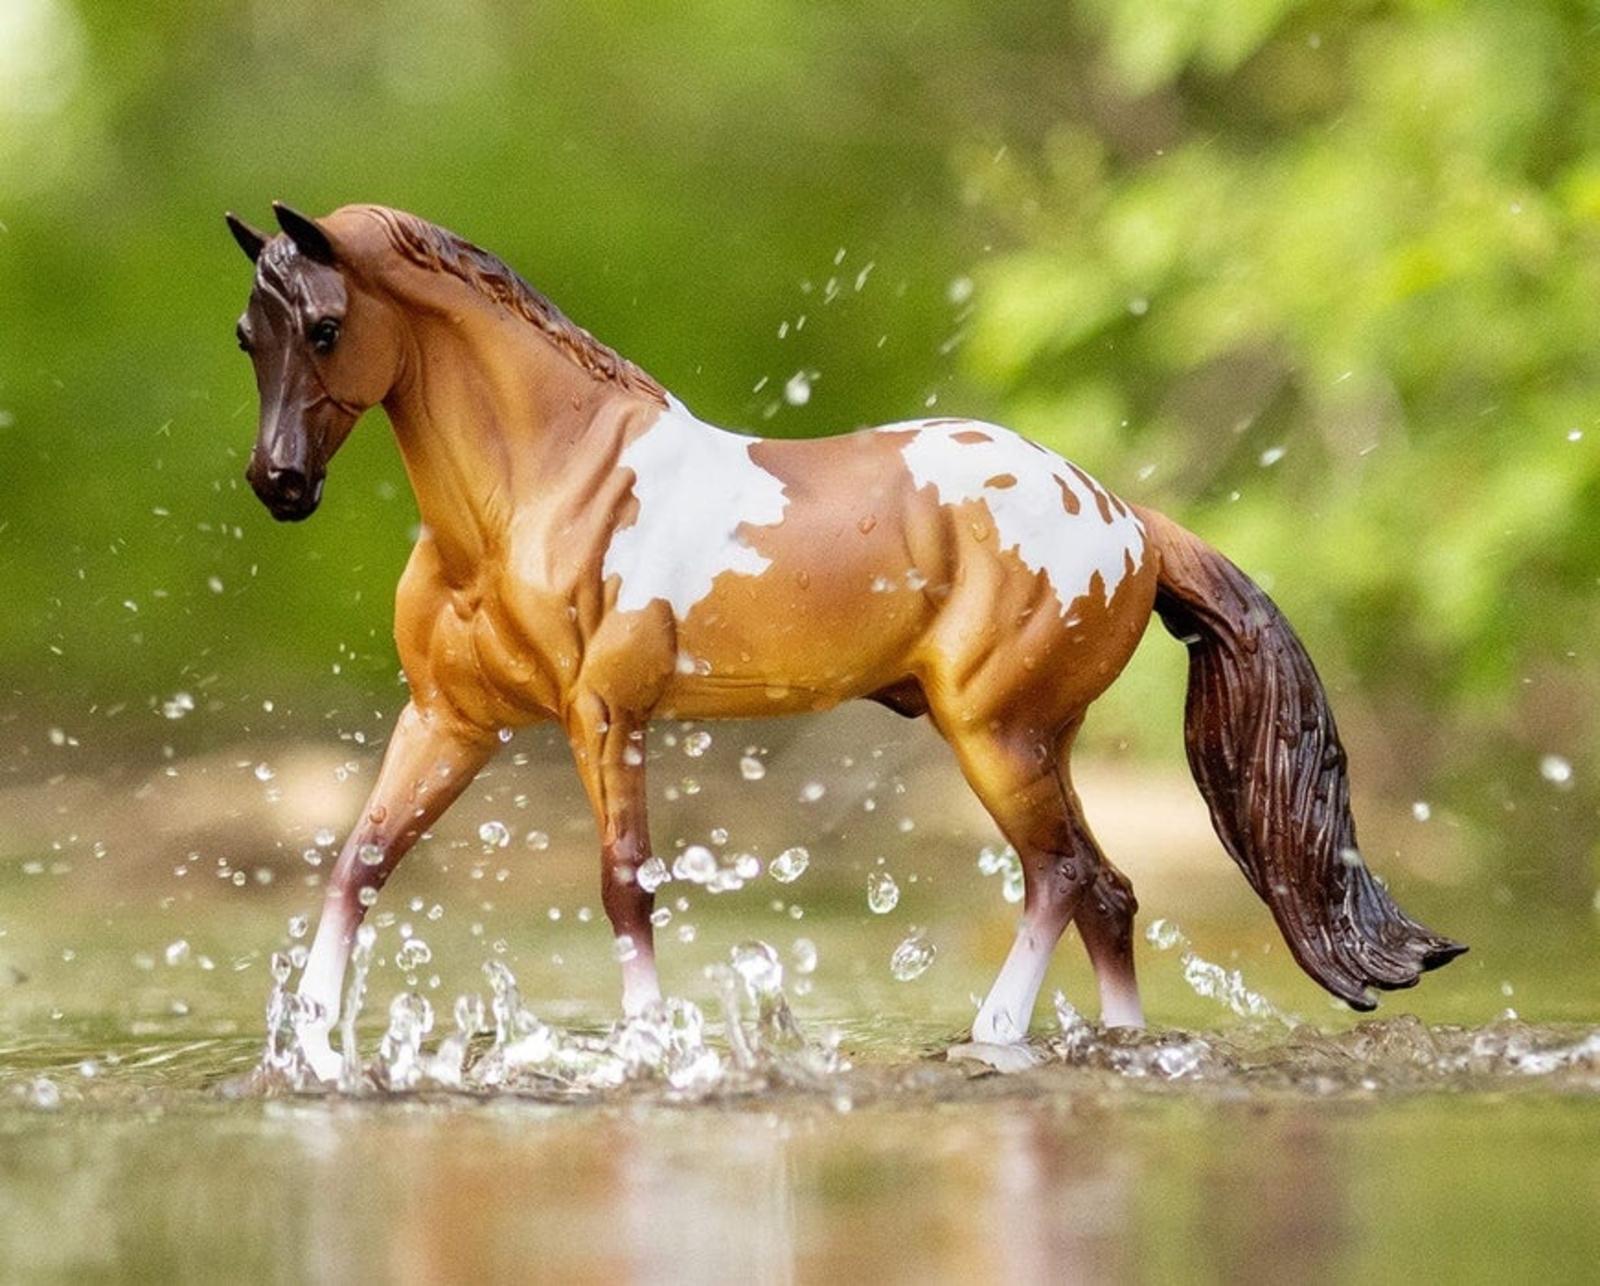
[{"x": 296, "y": 507}]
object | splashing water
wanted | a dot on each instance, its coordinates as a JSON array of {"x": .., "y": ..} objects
[
  {"x": 912, "y": 957},
  {"x": 789, "y": 865},
  {"x": 667, "y": 1044},
  {"x": 1006, "y": 864},
  {"x": 1212, "y": 981},
  {"x": 883, "y": 894}
]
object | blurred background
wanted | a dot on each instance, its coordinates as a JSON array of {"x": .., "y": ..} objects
[{"x": 1318, "y": 278}]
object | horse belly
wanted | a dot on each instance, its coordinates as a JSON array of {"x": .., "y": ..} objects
[{"x": 829, "y": 618}]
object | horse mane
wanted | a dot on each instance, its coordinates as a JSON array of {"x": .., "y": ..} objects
[{"x": 437, "y": 249}]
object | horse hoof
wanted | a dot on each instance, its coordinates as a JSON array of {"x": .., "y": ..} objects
[{"x": 1004, "y": 1059}]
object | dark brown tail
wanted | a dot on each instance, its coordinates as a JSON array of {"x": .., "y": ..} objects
[{"x": 1265, "y": 752}]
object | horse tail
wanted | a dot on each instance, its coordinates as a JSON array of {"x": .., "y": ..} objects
[{"x": 1265, "y": 752}]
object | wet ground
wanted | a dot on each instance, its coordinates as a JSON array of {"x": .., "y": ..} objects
[{"x": 802, "y": 1121}]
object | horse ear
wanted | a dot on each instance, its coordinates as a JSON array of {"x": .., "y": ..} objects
[
  {"x": 250, "y": 241},
  {"x": 307, "y": 236}
]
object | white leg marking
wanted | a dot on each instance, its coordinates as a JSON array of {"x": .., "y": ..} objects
[
  {"x": 640, "y": 986},
  {"x": 1008, "y": 1008},
  {"x": 1119, "y": 1003},
  {"x": 323, "y": 981}
]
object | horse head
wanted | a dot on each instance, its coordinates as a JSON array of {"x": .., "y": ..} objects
[{"x": 325, "y": 347}]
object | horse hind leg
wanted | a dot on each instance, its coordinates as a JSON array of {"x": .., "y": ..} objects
[
  {"x": 1016, "y": 779},
  {"x": 1066, "y": 879},
  {"x": 1105, "y": 922}
]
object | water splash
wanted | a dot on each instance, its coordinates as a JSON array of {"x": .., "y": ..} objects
[
  {"x": 1226, "y": 986},
  {"x": 910, "y": 960},
  {"x": 1005, "y": 863},
  {"x": 667, "y": 1045}
]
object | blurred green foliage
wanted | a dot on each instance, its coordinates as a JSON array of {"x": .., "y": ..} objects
[{"x": 1318, "y": 277}]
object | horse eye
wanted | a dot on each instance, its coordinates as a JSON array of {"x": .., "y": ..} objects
[{"x": 324, "y": 334}]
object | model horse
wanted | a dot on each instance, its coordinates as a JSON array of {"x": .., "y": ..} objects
[{"x": 593, "y": 554}]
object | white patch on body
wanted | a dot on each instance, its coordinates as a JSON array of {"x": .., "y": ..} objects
[
  {"x": 1029, "y": 515},
  {"x": 696, "y": 486}
]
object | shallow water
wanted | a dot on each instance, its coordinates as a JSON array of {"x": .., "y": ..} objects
[
  {"x": 1385, "y": 1152},
  {"x": 1256, "y": 1131},
  {"x": 855, "y": 1147}
]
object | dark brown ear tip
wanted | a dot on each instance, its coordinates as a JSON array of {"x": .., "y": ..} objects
[
  {"x": 305, "y": 232},
  {"x": 250, "y": 241}
]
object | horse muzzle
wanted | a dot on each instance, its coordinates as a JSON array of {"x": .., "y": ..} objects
[{"x": 290, "y": 495}]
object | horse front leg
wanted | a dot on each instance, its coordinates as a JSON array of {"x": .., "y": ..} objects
[
  {"x": 608, "y": 747},
  {"x": 429, "y": 761}
]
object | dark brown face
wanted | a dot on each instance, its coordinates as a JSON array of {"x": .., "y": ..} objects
[{"x": 322, "y": 356}]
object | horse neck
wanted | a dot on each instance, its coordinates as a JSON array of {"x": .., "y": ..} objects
[{"x": 485, "y": 415}]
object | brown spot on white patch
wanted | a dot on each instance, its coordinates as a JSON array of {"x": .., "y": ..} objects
[
  {"x": 1069, "y": 497},
  {"x": 1001, "y": 481},
  {"x": 1100, "y": 500},
  {"x": 970, "y": 437}
]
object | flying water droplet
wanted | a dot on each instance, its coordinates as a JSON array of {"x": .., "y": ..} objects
[
  {"x": 652, "y": 874},
  {"x": 697, "y": 864},
  {"x": 883, "y": 894},
  {"x": 1556, "y": 770},
  {"x": 494, "y": 834},
  {"x": 1163, "y": 935},
  {"x": 789, "y": 865},
  {"x": 751, "y": 768},
  {"x": 912, "y": 957}
]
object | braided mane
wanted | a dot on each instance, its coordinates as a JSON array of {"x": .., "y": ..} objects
[{"x": 438, "y": 250}]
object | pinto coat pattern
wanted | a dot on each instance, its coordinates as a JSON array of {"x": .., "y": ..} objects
[{"x": 594, "y": 555}]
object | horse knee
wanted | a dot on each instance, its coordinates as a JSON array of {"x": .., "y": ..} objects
[
  {"x": 1060, "y": 882},
  {"x": 1112, "y": 896}
]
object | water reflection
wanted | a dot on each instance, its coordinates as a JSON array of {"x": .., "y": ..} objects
[{"x": 1039, "y": 1188}]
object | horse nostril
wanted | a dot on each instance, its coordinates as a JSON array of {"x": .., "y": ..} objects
[{"x": 289, "y": 484}]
